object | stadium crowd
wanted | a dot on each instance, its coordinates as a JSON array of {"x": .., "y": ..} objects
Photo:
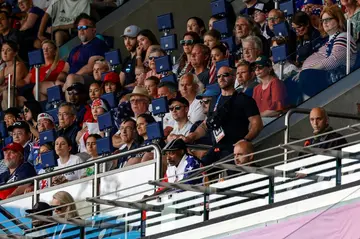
[{"x": 225, "y": 108}]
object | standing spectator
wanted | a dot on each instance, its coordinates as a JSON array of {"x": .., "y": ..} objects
[
  {"x": 200, "y": 56},
  {"x": 251, "y": 48},
  {"x": 197, "y": 25},
  {"x": 67, "y": 124},
  {"x": 352, "y": 12},
  {"x": 145, "y": 39},
  {"x": 245, "y": 78},
  {"x": 63, "y": 14},
  {"x": 189, "y": 87},
  {"x": 18, "y": 169},
  {"x": 184, "y": 66},
  {"x": 212, "y": 38},
  {"x": 82, "y": 57},
  {"x": 128, "y": 136},
  {"x": 64, "y": 205},
  {"x": 127, "y": 74},
  {"x": 154, "y": 54},
  {"x": 179, "y": 108},
  {"x": 151, "y": 85},
  {"x": 308, "y": 40},
  {"x": 20, "y": 132},
  {"x": 270, "y": 94}
]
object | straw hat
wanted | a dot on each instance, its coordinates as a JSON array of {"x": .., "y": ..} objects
[{"x": 138, "y": 90}]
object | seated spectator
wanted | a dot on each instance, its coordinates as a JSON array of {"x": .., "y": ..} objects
[
  {"x": 44, "y": 183},
  {"x": 289, "y": 69},
  {"x": 352, "y": 12},
  {"x": 218, "y": 53},
  {"x": 128, "y": 71},
  {"x": 20, "y": 132},
  {"x": 189, "y": 87},
  {"x": 67, "y": 211},
  {"x": 243, "y": 153},
  {"x": 315, "y": 18},
  {"x": 212, "y": 38},
  {"x": 197, "y": 25},
  {"x": 49, "y": 72},
  {"x": 77, "y": 97},
  {"x": 179, "y": 108},
  {"x": 45, "y": 122},
  {"x": 154, "y": 54},
  {"x": 31, "y": 111},
  {"x": 66, "y": 159},
  {"x": 319, "y": 121},
  {"x": 184, "y": 63},
  {"x": 168, "y": 90},
  {"x": 332, "y": 56},
  {"x": 145, "y": 38},
  {"x": 112, "y": 84},
  {"x": 200, "y": 57},
  {"x": 62, "y": 15},
  {"x": 180, "y": 163},
  {"x": 95, "y": 91},
  {"x": 308, "y": 39},
  {"x": 270, "y": 94},
  {"x": 151, "y": 85},
  {"x": 259, "y": 13},
  {"x": 11, "y": 115},
  {"x": 251, "y": 47},
  {"x": 67, "y": 124},
  {"x": 9, "y": 51},
  {"x": 140, "y": 76},
  {"x": 8, "y": 33},
  {"x": 41, "y": 209},
  {"x": 100, "y": 67},
  {"x": 212, "y": 20},
  {"x": 129, "y": 137},
  {"x": 245, "y": 78},
  {"x": 82, "y": 57},
  {"x": 17, "y": 169}
]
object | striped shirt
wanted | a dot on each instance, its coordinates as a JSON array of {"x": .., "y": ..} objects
[{"x": 336, "y": 58}]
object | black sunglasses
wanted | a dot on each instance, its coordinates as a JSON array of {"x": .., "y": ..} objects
[
  {"x": 84, "y": 27},
  {"x": 186, "y": 42},
  {"x": 227, "y": 74},
  {"x": 153, "y": 58},
  {"x": 204, "y": 102},
  {"x": 172, "y": 108}
]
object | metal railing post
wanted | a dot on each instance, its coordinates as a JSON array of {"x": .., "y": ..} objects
[
  {"x": 9, "y": 91},
  {"x": 35, "y": 198},
  {"x": 206, "y": 207},
  {"x": 271, "y": 189},
  {"x": 348, "y": 46},
  {"x": 286, "y": 136},
  {"x": 96, "y": 188},
  {"x": 37, "y": 76},
  {"x": 338, "y": 171},
  {"x": 142, "y": 223}
]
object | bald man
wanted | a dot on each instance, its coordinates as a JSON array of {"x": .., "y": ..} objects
[
  {"x": 319, "y": 121},
  {"x": 242, "y": 149}
]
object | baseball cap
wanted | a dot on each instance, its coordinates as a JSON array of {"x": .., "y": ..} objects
[
  {"x": 111, "y": 77},
  {"x": 15, "y": 147},
  {"x": 211, "y": 90},
  {"x": 78, "y": 87},
  {"x": 131, "y": 31},
  {"x": 179, "y": 99},
  {"x": 176, "y": 144},
  {"x": 19, "y": 125},
  {"x": 45, "y": 116},
  {"x": 39, "y": 207},
  {"x": 260, "y": 7},
  {"x": 99, "y": 103},
  {"x": 262, "y": 61}
]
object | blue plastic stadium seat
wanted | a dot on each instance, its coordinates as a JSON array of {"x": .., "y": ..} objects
[{"x": 313, "y": 81}]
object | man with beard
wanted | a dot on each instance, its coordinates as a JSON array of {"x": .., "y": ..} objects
[
  {"x": 82, "y": 58},
  {"x": 127, "y": 74}
]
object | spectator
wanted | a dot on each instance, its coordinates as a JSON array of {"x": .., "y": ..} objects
[
  {"x": 82, "y": 57},
  {"x": 145, "y": 38},
  {"x": 95, "y": 91},
  {"x": 9, "y": 52},
  {"x": 309, "y": 39},
  {"x": 127, "y": 74},
  {"x": 62, "y": 14},
  {"x": 20, "y": 132},
  {"x": 270, "y": 94},
  {"x": 112, "y": 84},
  {"x": 64, "y": 205},
  {"x": 315, "y": 18},
  {"x": 17, "y": 169},
  {"x": 197, "y": 25},
  {"x": 151, "y": 85},
  {"x": 179, "y": 108},
  {"x": 140, "y": 76},
  {"x": 190, "y": 86},
  {"x": 251, "y": 48},
  {"x": 180, "y": 163},
  {"x": 243, "y": 153},
  {"x": 11, "y": 115},
  {"x": 66, "y": 159},
  {"x": 249, "y": 6},
  {"x": 245, "y": 78},
  {"x": 352, "y": 12},
  {"x": 67, "y": 124},
  {"x": 212, "y": 38},
  {"x": 212, "y": 20},
  {"x": 200, "y": 56},
  {"x": 128, "y": 136},
  {"x": 332, "y": 56},
  {"x": 45, "y": 122},
  {"x": 44, "y": 183},
  {"x": 184, "y": 66},
  {"x": 168, "y": 90},
  {"x": 234, "y": 116},
  {"x": 7, "y": 33},
  {"x": 154, "y": 54},
  {"x": 41, "y": 209},
  {"x": 258, "y": 13},
  {"x": 31, "y": 111},
  {"x": 77, "y": 97},
  {"x": 319, "y": 121},
  {"x": 49, "y": 72},
  {"x": 218, "y": 53},
  {"x": 100, "y": 66}
]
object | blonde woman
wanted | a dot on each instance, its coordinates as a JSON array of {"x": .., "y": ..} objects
[{"x": 69, "y": 209}]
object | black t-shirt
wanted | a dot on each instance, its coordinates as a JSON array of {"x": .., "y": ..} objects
[
  {"x": 128, "y": 67},
  {"x": 235, "y": 123}
]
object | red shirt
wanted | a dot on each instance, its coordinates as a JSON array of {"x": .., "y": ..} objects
[
  {"x": 44, "y": 69},
  {"x": 271, "y": 98}
]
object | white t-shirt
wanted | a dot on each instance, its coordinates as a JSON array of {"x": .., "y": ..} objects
[
  {"x": 64, "y": 12},
  {"x": 185, "y": 130},
  {"x": 43, "y": 4},
  {"x": 196, "y": 111},
  {"x": 73, "y": 160}
]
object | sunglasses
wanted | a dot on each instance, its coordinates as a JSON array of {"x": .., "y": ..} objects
[
  {"x": 223, "y": 75},
  {"x": 84, "y": 27},
  {"x": 259, "y": 67},
  {"x": 186, "y": 42},
  {"x": 26, "y": 110},
  {"x": 326, "y": 20},
  {"x": 153, "y": 58},
  {"x": 177, "y": 108},
  {"x": 204, "y": 102}
]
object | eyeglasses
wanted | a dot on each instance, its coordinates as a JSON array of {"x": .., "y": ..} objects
[
  {"x": 153, "y": 58},
  {"x": 272, "y": 19},
  {"x": 227, "y": 74},
  {"x": 177, "y": 108},
  {"x": 326, "y": 20},
  {"x": 186, "y": 42},
  {"x": 84, "y": 27},
  {"x": 204, "y": 102}
]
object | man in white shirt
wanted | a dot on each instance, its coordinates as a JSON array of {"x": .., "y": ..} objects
[{"x": 179, "y": 108}]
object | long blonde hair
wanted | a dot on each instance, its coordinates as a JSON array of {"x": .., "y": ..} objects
[{"x": 66, "y": 198}]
